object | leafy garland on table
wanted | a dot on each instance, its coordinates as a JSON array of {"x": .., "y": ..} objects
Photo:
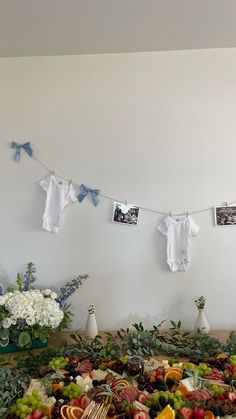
[{"x": 139, "y": 341}]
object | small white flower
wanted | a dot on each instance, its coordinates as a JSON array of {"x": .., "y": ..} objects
[
  {"x": 53, "y": 295},
  {"x": 6, "y": 323},
  {"x": 30, "y": 321}
]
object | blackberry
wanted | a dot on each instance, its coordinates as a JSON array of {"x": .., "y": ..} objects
[
  {"x": 120, "y": 408},
  {"x": 95, "y": 383},
  {"x": 161, "y": 387},
  {"x": 221, "y": 411},
  {"x": 57, "y": 394},
  {"x": 170, "y": 382},
  {"x": 170, "y": 402},
  {"x": 152, "y": 413},
  {"x": 149, "y": 388},
  {"x": 163, "y": 402},
  {"x": 215, "y": 410},
  {"x": 101, "y": 382},
  {"x": 159, "y": 380}
]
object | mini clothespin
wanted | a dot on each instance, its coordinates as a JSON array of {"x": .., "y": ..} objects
[
  {"x": 170, "y": 214},
  {"x": 126, "y": 202},
  {"x": 52, "y": 172},
  {"x": 186, "y": 213},
  {"x": 226, "y": 204}
]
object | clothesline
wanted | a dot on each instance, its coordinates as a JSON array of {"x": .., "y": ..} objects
[
  {"x": 27, "y": 148},
  {"x": 125, "y": 202}
]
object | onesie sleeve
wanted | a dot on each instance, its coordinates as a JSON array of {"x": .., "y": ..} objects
[
  {"x": 194, "y": 229},
  {"x": 73, "y": 194},
  {"x": 44, "y": 183},
  {"x": 163, "y": 227}
]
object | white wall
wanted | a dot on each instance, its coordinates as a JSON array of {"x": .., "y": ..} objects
[{"x": 156, "y": 129}]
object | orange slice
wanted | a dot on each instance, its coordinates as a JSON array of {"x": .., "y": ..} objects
[
  {"x": 208, "y": 415},
  {"x": 167, "y": 413},
  {"x": 173, "y": 374},
  {"x": 75, "y": 412},
  {"x": 183, "y": 389},
  {"x": 175, "y": 369}
]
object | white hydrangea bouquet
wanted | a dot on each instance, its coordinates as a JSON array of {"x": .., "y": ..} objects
[{"x": 28, "y": 313}]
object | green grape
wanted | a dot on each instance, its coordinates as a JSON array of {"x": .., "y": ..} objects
[
  {"x": 177, "y": 406},
  {"x": 178, "y": 393}
]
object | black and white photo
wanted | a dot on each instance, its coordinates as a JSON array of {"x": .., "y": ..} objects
[
  {"x": 225, "y": 216},
  {"x": 125, "y": 213}
]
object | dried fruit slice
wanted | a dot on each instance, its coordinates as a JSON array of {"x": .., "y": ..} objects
[
  {"x": 75, "y": 412},
  {"x": 173, "y": 374},
  {"x": 121, "y": 383},
  {"x": 64, "y": 411}
]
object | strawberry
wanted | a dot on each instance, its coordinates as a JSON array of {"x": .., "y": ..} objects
[
  {"x": 142, "y": 397},
  {"x": 186, "y": 412},
  {"x": 75, "y": 401},
  {"x": 198, "y": 412},
  {"x": 37, "y": 414},
  {"x": 140, "y": 415},
  {"x": 84, "y": 401}
]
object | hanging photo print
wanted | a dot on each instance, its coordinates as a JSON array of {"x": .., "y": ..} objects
[
  {"x": 125, "y": 213},
  {"x": 225, "y": 216}
]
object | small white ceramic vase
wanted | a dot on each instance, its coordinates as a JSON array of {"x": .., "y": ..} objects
[
  {"x": 201, "y": 322},
  {"x": 91, "y": 325}
]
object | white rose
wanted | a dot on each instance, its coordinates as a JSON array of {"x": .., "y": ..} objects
[
  {"x": 13, "y": 320},
  {"x": 30, "y": 321},
  {"x": 6, "y": 323}
]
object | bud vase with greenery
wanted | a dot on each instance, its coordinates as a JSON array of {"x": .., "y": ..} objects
[
  {"x": 91, "y": 325},
  {"x": 201, "y": 323}
]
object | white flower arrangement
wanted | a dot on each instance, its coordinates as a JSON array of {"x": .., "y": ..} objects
[{"x": 27, "y": 313}]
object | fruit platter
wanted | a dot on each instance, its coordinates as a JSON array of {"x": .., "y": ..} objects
[{"x": 127, "y": 387}]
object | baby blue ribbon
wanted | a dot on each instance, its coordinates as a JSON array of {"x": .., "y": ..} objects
[
  {"x": 26, "y": 147},
  {"x": 84, "y": 190}
]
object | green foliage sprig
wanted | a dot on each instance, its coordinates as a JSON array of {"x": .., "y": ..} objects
[
  {"x": 200, "y": 302},
  {"x": 13, "y": 383}
]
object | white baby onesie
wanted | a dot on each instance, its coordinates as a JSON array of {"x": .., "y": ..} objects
[
  {"x": 59, "y": 194},
  {"x": 178, "y": 231}
]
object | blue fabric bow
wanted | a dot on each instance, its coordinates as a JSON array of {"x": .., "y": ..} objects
[
  {"x": 26, "y": 147},
  {"x": 84, "y": 190}
]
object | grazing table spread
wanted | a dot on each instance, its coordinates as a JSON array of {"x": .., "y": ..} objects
[{"x": 70, "y": 386}]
